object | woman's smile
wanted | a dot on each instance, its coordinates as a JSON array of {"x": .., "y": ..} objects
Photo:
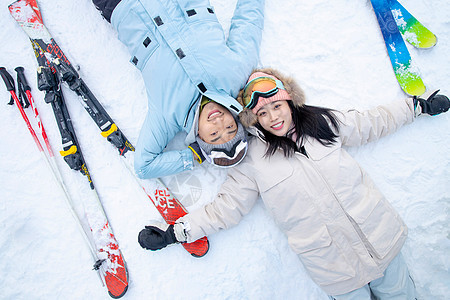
[{"x": 278, "y": 126}]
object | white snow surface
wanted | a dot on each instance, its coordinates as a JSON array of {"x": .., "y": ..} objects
[{"x": 336, "y": 52}]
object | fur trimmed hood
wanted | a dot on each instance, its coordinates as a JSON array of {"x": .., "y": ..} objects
[{"x": 248, "y": 118}]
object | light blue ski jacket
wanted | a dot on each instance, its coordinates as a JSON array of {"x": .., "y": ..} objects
[{"x": 182, "y": 52}]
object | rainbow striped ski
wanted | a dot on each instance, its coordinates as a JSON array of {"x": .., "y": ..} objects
[
  {"x": 406, "y": 73},
  {"x": 412, "y": 30}
]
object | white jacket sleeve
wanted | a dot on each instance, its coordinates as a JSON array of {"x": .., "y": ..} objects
[
  {"x": 235, "y": 199},
  {"x": 358, "y": 128}
]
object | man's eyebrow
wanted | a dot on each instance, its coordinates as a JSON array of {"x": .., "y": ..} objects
[
  {"x": 219, "y": 137},
  {"x": 232, "y": 131},
  {"x": 216, "y": 139}
]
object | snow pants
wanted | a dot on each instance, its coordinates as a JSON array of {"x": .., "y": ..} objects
[{"x": 396, "y": 284}]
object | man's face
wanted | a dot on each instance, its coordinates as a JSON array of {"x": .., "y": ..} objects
[{"x": 216, "y": 125}]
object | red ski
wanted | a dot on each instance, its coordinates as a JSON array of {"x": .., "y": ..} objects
[
  {"x": 171, "y": 209},
  {"x": 168, "y": 206},
  {"x": 27, "y": 14},
  {"x": 108, "y": 259}
]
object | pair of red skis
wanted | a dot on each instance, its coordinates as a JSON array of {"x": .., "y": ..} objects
[{"x": 54, "y": 69}]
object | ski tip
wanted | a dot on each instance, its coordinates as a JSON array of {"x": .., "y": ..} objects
[
  {"x": 114, "y": 295},
  {"x": 199, "y": 248},
  {"x": 430, "y": 43},
  {"x": 117, "y": 279},
  {"x": 117, "y": 284},
  {"x": 415, "y": 91},
  {"x": 203, "y": 253},
  {"x": 426, "y": 40},
  {"x": 409, "y": 79}
]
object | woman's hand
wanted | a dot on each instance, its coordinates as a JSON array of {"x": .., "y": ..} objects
[
  {"x": 433, "y": 105},
  {"x": 159, "y": 235}
]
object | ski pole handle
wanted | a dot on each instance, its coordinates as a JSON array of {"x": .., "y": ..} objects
[
  {"x": 9, "y": 81},
  {"x": 21, "y": 76}
]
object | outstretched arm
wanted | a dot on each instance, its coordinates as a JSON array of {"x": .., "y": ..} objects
[
  {"x": 235, "y": 199},
  {"x": 150, "y": 160},
  {"x": 246, "y": 30},
  {"x": 362, "y": 127},
  {"x": 359, "y": 128}
]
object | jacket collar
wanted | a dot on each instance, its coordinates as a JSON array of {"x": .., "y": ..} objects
[
  {"x": 193, "y": 131},
  {"x": 256, "y": 132}
]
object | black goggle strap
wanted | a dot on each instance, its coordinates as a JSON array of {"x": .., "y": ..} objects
[
  {"x": 228, "y": 158},
  {"x": 250, "y": 100},
  {"x": 256, "y": 95},
  {"x": 229, "y": 153}
]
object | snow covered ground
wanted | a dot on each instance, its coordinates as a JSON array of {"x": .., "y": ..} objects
[{"x": 336, "y": 52}]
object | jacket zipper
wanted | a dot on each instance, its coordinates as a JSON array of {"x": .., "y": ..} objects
[
  {"x": 339, "y": 203},
  {"x": 189, "y": 111}
]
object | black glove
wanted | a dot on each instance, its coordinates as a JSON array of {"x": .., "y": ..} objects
[
  {"x": 434, "y": 105},
  {"x": 157, "y": 237},
  {"x": 195, "y": 148}
]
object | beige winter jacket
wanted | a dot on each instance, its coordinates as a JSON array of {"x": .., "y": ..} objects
[{"x": 342, "y": 228}]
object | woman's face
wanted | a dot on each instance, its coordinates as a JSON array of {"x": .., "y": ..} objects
[
  {"x": 216, "y": 125},
  {"x": 275, "y": 117}
]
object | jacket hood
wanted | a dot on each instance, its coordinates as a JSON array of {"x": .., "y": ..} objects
[
  {"x": 225, "y": 100},
  {"x": 248, "y": 118}
]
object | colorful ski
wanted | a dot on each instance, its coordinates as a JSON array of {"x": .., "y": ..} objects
[
  {"x": 412, "y": 30},
  {"x": 45, "y": 47},
  {"x": 406, "y": 73}
]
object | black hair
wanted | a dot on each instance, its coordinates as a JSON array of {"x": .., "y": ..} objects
[{"x": 313, "y": 121}]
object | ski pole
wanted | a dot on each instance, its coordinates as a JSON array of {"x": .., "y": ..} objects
[
  {"x": 23, "y": 82},
  {"x": 9, "y": 82}
]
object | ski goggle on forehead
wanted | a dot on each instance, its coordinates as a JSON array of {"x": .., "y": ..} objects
[
  {"x": 260, "y": 87},
  {"x": 228, "y": 158}
]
